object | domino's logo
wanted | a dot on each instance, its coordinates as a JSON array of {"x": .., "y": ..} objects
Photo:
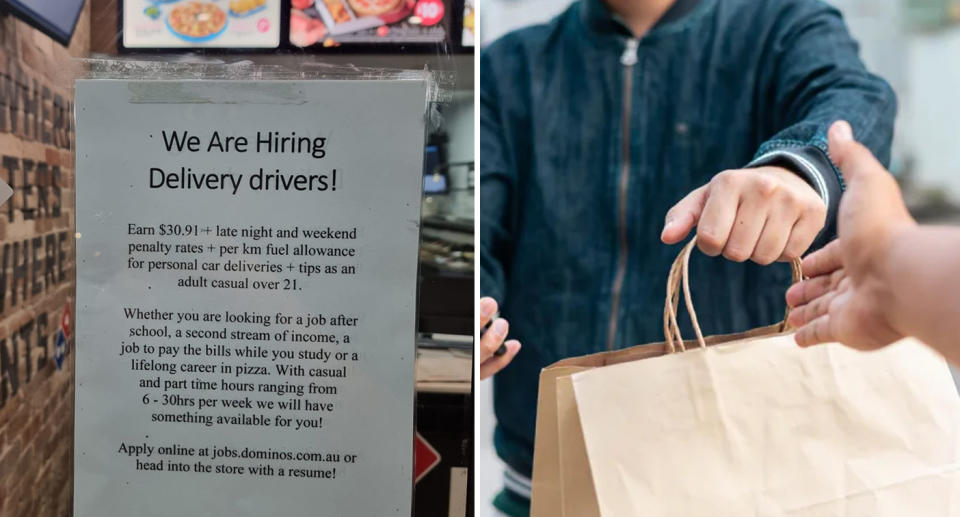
[{"x": 60, "y": 349}]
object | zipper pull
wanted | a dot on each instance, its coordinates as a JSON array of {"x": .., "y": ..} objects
[{"x": 629, "y": 56}]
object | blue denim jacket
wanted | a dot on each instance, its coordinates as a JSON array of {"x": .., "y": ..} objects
[{"x": 588, "y": 136}]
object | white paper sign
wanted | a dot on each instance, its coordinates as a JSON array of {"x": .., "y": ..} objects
[{"x": 246, "y": 292}]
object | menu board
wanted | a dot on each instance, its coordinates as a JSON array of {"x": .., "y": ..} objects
[
  {"x": 334, "y": 22},
  {"x": 246, "y": 296},
  {"x": 201, "y": 23}
]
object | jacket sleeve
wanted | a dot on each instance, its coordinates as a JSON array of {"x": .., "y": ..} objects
[
  {"x": 498, "y": 182},
  {"x": 814, "y": 77}
]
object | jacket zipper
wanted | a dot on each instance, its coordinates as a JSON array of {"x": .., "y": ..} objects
[{"x": 628, "y": 59}]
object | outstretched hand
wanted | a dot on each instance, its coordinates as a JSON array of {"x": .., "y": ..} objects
[{"x": 844, "y": 299}]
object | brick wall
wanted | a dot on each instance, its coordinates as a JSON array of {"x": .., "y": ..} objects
[{"x": 37, "y": 277}]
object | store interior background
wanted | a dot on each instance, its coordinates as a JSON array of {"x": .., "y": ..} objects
[
  {"x": 36, "y": 421},
  {"x": 913, "y": 44},
  {"x": 445, "y": 310}
]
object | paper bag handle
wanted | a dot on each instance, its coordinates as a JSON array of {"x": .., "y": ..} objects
[{"x": 679, "y": 275}]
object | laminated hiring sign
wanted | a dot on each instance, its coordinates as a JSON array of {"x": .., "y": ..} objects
[{"x": 246, "y": 270}]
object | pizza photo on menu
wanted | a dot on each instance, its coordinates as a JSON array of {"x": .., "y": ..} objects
[
  {"x": 374, "y": 7},
  {"x": 170, "y": 24},
  {"x": 197, "y": 21}
]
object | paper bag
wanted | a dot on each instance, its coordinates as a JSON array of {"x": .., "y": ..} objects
[{"x": 747, "y": 425}]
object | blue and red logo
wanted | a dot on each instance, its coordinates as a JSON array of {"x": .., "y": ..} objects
[{"x": 60, "y": 349}]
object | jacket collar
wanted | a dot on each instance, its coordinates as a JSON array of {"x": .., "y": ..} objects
[{"x": 598, "y": 18}]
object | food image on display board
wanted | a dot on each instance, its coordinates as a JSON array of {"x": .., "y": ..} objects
[
  {"x": 201, "y": 23},
  {"x": 197, "y": 22},
  {"x": 334, "y": 22}
]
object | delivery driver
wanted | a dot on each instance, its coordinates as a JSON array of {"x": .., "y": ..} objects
[{"x": 594, "y": 125}]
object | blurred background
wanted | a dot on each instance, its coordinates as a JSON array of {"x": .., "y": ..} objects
[{"x": 913, "y": 44}]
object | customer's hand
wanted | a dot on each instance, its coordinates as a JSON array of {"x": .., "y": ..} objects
[
  {"x": 764, "y": 214},
  {"x": 490, "y": 361},
  {"x": 844, "y": 298}
]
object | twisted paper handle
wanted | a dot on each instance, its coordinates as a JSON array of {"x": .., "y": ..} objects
[{"x": 680, "y": 275}]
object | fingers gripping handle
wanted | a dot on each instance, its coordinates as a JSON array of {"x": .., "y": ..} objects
[{"x": 679, "y": 278}]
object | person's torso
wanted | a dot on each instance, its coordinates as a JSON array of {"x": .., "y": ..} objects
[{"x": 609, "y": 139}]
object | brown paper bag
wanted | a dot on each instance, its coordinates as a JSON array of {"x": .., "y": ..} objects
[{"x": 747, "y": 424}]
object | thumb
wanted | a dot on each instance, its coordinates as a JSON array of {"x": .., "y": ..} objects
[
  {"x": 684, "y": 216},
  {"x": 855, "y": 161}
]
